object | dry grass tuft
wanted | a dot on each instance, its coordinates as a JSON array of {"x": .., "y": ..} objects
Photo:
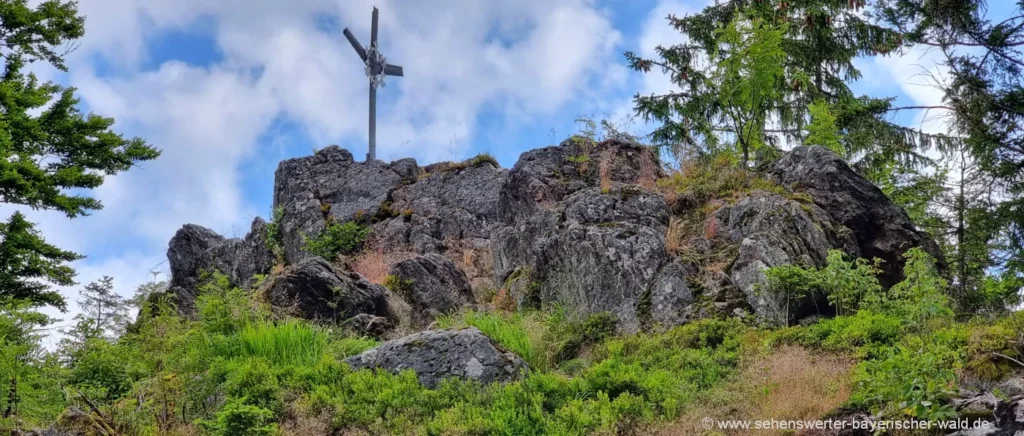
[
  {"x": 503, "y": 301},
  {"x": 373, "y": 265},
  {"x": 790, "y": 383},
  {"x": 673, "y": 237}
]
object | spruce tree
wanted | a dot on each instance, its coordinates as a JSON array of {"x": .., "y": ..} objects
[
  {"x": 49, "y": 150},
  {"x": 983, "y": 93},
  {"x": 751, "y": 71},
  {"x": 104, "y": 315}
]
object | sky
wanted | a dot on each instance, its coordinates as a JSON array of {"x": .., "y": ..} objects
[{"x": 229, "y": 88}]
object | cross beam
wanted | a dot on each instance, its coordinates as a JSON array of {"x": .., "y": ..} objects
[{"x": 376, "y": 68}]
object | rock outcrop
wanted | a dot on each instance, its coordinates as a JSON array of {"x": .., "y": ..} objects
[
  {"x": 581, "y": 225},
  {"x": 580, "y": 230},
  {"x": 771, "y": 230},
  {"x": 432, "y": 285},
  {"x": 1004, "y": 413},
  {"x": 314, "y": 289},
  {"x": 882, "y": 229},
  {"x": 439, "y": 354},
  {"x": 197, "y": 251},
  {"x": 331, "y": 185}
]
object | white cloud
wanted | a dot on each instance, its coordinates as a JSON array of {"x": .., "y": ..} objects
[
  {"x": 525, "y": 59},
  {"x": 656, "y": 32}
]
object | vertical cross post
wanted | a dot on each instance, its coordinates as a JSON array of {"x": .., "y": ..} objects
[
  {"x": 372, "y": 153},
  {"x": 376, "y": 68}
]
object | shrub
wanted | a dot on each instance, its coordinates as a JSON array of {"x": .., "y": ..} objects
[
  {"x": 843, "y": 282},
  {"x": 571, "y": 337},
  {"x": 102, "y": 369},
  {"x": 338, "y": 239},
  {"x": 912, "y": 379},
  {"x": 274, "y": 236},
  {"x": 238, "y": 418}
]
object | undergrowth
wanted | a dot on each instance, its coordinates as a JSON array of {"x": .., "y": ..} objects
[{"x": 235, "y": 369}]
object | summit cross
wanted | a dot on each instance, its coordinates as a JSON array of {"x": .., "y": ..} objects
[{"x": 376, "y": 68}]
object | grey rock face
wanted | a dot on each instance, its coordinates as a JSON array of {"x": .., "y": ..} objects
[
  {"x": 452, "y": 204},
  {"x": 544, "y": 176},
  {"x": 331, "y": 184},
  {"x": 882, "y": 229},
  {"x": 432, "y": 285},
  {"x": 195, "y": 250},
  {"x": 771, "y": 230},
  {"x": 439, "y": 354},
  {"x": 313, "y": 289},
  {"x": 1005, "y": 416},
  {"x": 598, "y": 252},
  {"x": 579, "y": 231}
]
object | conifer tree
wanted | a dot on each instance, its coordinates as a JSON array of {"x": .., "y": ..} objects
[
  {"x": 983, "y": 93},
  {"x": 751, "y": 71},
  {"x": 104, "y": 315},
  {"x": 49, "y": 150}
]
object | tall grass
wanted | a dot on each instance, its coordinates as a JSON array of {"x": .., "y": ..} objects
[
  {"x": 523, "y": 335},
  {"x": 288, "y": 342}
]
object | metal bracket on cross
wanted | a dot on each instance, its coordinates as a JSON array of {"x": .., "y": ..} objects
[{"x": 376, "y": 69}]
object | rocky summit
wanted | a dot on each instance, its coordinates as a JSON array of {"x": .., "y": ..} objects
[{"x": 581, "y": 225}]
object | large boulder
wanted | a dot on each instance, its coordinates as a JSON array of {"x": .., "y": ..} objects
[
  {"x": 432, "y": 285},
  {"x": 195, "y": 252},
  {"x": 771, "y": 230},
  {"x": 882, "y": 229},
  {"x": 313, "y": 289},
  {"x": 582, "y": 231},
  {"x": 438, "y": 354}
]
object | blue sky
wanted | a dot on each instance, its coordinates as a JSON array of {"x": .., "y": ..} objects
[{"x": 229, "y": 88}]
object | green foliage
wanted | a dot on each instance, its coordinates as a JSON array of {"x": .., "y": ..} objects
[
  {"x": 484, "y": 158},
  {"x": 914, "y": 378},
  {"x": 50, "y": 152},
  {"x": 338, "y": 239},
  {"x": 29, "y": 266},
  {"x": 35, "y": 376},
  {"x": 265, "y": 372},
  {"x": 238, "y": 418},
  {"x": 274, "y": 235},
  {"x": 103, "y": 370},
  {"x": 571, "y": 337},
  {"x": 397, "y": 285},
  {"x": 921, "y": 296},
  {"x": 104, "y": 315},
  {"x": 996, "y": 349},
  {"x": 749, "y": 73},
  {"x": 289, "y": 342},
  {"x": 822, "y": 131},
  {"x": 518, "y": 333},
  {"x": 909, "y": 348},
  {"x": 843, "y": 282}
]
